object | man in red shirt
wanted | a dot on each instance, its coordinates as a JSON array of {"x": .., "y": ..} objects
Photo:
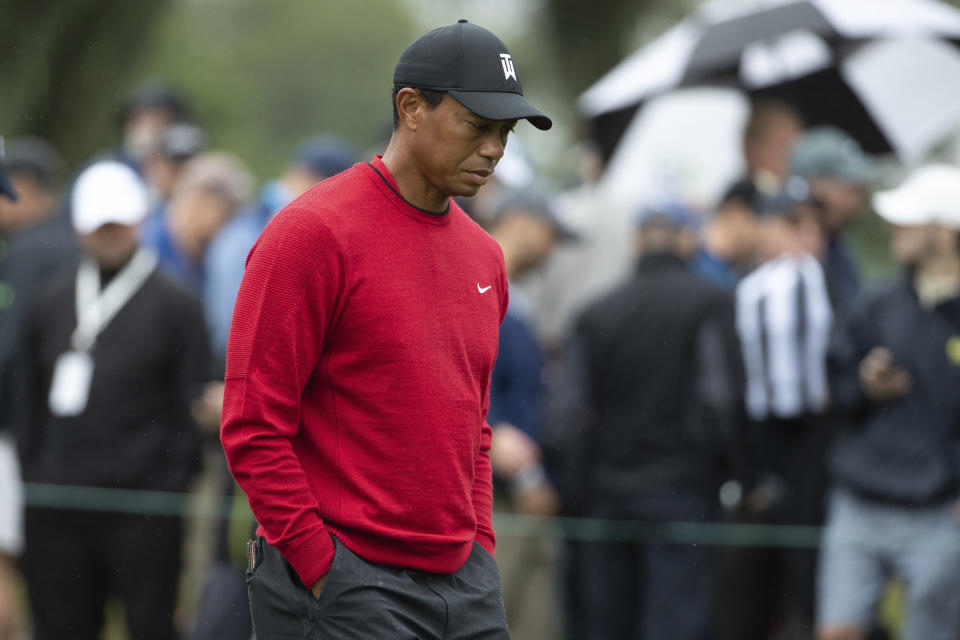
[{"x": 358, "y": 371}]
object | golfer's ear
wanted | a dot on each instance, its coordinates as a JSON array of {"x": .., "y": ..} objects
[{"x": 409, "y": 107}]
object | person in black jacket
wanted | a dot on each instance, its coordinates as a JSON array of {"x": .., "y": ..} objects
[
  {"x": 657, "y": 395},
  {"x": 115, "y": 354},
  {"x": 895, "y": 370},
  {"x": 36, "y": 242}
]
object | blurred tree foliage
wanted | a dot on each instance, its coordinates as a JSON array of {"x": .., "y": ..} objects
[
  {"x": 62, "y": 64},
  {"x": 593, "y": 37},
  {"x": 260, "y": 76}
]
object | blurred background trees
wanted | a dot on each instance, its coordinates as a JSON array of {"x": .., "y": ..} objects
[
  {"x": 62, "y": 65},
  {"x": 262, "y": 76}
]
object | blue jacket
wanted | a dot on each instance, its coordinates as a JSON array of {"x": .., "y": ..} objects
[
  {"x": 155, "y": 234},
  {"x": 226, "y": 258},
  {"x": 715, "y": 269},
  {"x": 843, "y": 278},
  {"x": 515, "y": 387}
]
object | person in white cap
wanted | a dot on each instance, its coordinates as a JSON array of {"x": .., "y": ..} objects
[
  {"x": 115, "y": 354},
  {"x": 895, "y": 369}
]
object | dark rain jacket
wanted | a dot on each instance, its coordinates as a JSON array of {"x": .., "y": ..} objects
[
  {"x": 150, "y": 363},
  {"x": 906, "y": 451},
  {"x": 29, "y": 259},
  {"x": 654, "y": 379}
]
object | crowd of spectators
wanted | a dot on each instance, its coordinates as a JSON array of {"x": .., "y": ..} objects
[{"x": 700, "y": 367}]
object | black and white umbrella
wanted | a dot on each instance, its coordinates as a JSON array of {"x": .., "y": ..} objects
[{"x": 886, "y": 71}]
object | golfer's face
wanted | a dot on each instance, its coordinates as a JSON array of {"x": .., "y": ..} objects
[{"x": 461, "y": 149}]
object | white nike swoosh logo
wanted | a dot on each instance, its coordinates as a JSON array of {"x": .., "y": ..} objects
[{"x": 483, "y": 290}]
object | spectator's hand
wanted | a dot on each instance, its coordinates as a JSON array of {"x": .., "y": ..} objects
[
  {"x": 206, "y": 409},
  {"x": 317, "y": 587},
  {"x": 881, "y": 379},
  {"x": 759, "y": 500},
  {"x": 512, "y": 450},
  {"x": 539, "y": 500},
  {"x": 768, "y": 493}
]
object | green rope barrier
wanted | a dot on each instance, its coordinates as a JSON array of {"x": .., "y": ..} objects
[
  {"x": 112, "y": 500},
  {"x": 164, "y": 503},
  {"x": 705, "y": 533}
]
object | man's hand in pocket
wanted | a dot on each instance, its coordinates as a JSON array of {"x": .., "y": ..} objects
[{"x": 317, "y": 587}]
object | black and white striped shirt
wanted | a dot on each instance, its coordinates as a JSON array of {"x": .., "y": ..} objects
[{"x": 783, "y": 320}]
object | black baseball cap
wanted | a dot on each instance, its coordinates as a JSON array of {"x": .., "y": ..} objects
[
  {"x": 34, "y": 157},
  {"x": 182, "y": 141},
  {"x": 155, "y": 94},
  {"x": 474, "y": 67},
  {"x": 743, "y": 191},
  {"x": 326, "y": 155},
  {"x": 793, "y": 192}
]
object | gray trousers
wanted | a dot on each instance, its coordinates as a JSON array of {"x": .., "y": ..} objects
[
  {"x": 364, "y": 600},
  {"x": 867, "y": 542}
]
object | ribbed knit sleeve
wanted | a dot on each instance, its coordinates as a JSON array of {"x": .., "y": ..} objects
[
  {"x": 285, "y": 307},
  {"x": 483, "y": 492}
]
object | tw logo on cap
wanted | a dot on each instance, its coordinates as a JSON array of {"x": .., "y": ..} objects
[{"x": 507, "y": 63}]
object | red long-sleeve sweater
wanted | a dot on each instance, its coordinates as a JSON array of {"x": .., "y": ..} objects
[{"x": 358, "y": 369}]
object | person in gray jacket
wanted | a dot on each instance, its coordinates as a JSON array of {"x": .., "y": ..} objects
[{"x": 895, "y": 369}]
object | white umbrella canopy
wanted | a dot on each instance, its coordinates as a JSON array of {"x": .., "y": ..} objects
[
  {"x": 722, "y": 45},
  {"x": 911, "y": 88},
  {"x": 824, "y": 56},
  {"x": 686, "y": 145},
  {"x": 683, "y": 147}
]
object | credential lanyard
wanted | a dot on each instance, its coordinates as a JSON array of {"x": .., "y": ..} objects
[{"x": 95, "y": 309}]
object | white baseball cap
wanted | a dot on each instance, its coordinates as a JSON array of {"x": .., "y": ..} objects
[
  {"x": 929, "y": 195},
  {"x": 108, "y": 192}
]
